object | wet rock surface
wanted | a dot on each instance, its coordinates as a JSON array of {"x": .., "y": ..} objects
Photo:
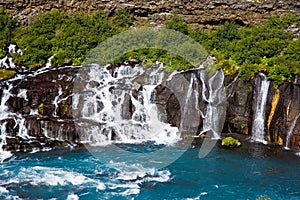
[{"x": 49, "y": 118}]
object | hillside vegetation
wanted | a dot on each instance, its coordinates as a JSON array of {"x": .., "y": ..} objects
[{"x": 266, "y": 47}]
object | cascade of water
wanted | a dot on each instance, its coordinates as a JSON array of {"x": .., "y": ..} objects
[
  {"x": 290, "y": 133},
  {"x": 7, "y": 62},
  {"x": 258, "y": 127},
  {"x": 56, "y": 101},
  {"x": 4, "y": 115},
  {"x": 190, "y": 107},
  {"x": 106, "y": 98},
  {"x": 213, "y": 93}
]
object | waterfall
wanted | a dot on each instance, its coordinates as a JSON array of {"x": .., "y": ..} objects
[
  {"x": 56, "y": 101},
  {"x": 7, "y": 61},
  {"x": 190, "y": 104},
  {"x": 290, "y": 133},
  {"x": 214, "y": 94},
  {"x": 4, "y": 115},
  {"x": 113, "y": 110},
  {"x": 258, "y": 128}
]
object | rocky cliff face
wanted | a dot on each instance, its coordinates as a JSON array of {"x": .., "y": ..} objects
[
  {"x": 41, "y": 105},
  {"x": 204, "y": 12}
]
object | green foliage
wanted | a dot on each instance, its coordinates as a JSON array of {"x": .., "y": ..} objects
[
  {"x": 230, "y": 142},
  {"x": 177, "y": 23},
  {"x": 68, "y": 37},
  {"x": 266, "y": 47},
  {"x": 246, "y": 50},
  {"x": 151, "y": 55},
  {"x": 2, "y": 53},
  {"x": 6, "y": 74},
  {"x": 123, "y": 18},
  {"x": 7, "y": 25},
  {"x": 222, "y": 37}
]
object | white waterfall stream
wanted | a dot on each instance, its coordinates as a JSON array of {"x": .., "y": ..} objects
[
  {"x": 258, "y": 127},
  {"x": 290, "y": 132},
  {"x": 4, "y": 115},
  {"x": 19, "y": 121},
  {"x": 214, "y": 94},
  {"x": 106, "y": 104}
]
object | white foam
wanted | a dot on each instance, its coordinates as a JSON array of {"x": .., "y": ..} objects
[
  {"x": 259, "y": 141},
  {"x": 4, "y": 155},
  {"x": 3, "y": 190},
  {"x": 72, "y": 197},
  {"x": 198, "y": 197},
  {"x": 163, "y": 176},
  {"x": 131, "y": 177},
  {"x": 101, "y": 186},
  {"x": 48, "y": 176},
  {"x": 11, "y": 197},
  {"x": 34, "y": 150},
  {"x": 130, "y": 192}
]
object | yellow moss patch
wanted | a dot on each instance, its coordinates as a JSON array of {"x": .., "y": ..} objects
[
  {"x": 6, "y": 74},
  {"x": 230, "y": 142},
  {"x": 280, "y": 141},
  {"x": 275, "y": 100}
]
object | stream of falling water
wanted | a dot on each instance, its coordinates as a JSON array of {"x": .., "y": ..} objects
[
  {"x": 214, "y": 94},
  {"x": 258, "y": 127},
  {"x": 4, "y": 115},
  {"x": 106, "y": 104},
  {"x": 290, "y": 133}
]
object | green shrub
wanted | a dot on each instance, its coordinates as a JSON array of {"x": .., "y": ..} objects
[
  {"x": 177, "y": 23},
  {"x": 7, "y": 25},
  {"x": 2, "y": 53},
  {"x": 201, "y": 36},
  {"x": 246, "y": 49},
  {"x": 123, "y": 18},
  {"x": 67, "y": 37},
  {"x": 279, "y": 74}
]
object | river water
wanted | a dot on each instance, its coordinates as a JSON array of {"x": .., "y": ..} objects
[{"x": 244, "y": 173}]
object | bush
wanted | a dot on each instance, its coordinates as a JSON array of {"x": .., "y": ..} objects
[
  {"x": 123, "y": 18},
  {"x": 68, "y": 37},
  {"x": 177, "y": 23},
  {"x": 247, "y": 48},
  {"x": 7, "y": 25}
]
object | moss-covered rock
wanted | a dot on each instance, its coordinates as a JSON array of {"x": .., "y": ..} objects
[
  {"x": 6, "y": 74},
  {"x": 230, "y": 142}
]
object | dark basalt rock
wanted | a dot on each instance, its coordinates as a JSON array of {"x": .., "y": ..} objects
[
  {"x": 283, "y": 106},
  {"x": 239, "y": 113}
]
